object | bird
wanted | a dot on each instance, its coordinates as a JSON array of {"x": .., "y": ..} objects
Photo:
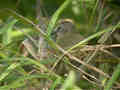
[{"x": 65, "y": 34}]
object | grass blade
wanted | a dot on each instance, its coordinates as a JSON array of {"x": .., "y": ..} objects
[
  {"x": 115, "y": 76},
  {"x": 56, "y": 16},
  {"x": 7, "y": 31}
]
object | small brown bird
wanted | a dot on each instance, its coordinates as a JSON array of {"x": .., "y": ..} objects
[{"x": 65, "y": 34}]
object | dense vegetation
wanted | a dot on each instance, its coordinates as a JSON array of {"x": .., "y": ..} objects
[{"x": 59, "y": 45}]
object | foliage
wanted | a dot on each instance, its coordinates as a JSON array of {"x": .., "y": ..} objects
[{"x": 78, "y": 67}]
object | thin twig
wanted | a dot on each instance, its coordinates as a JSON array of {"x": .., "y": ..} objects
[
  {"x": 92, "y": 81},
  {"x": 82, "y": 71},
  {"x": 81, "y": 62}
]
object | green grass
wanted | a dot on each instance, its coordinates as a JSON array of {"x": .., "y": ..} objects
[{"x": 60, "y": 69}]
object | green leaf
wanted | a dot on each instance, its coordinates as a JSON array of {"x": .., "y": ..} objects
[
  {"x": 56, "y": 16},
  {"x": 21, "y": 81},
  {"x": 7, "y": 31},
  {"x": 8, "y": 70},
  {"x": 69, "y": 82},
  {"x": 114, "y": 77}
]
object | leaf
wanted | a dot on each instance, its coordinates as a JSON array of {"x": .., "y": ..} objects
[
  {"x": 69, "y": 83},
  {"x": 8, "y": 70},
  {"x": 7, "y": 31},
  {"x": 56, "y": 16},
  {"x": 114, "y": 78}
]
